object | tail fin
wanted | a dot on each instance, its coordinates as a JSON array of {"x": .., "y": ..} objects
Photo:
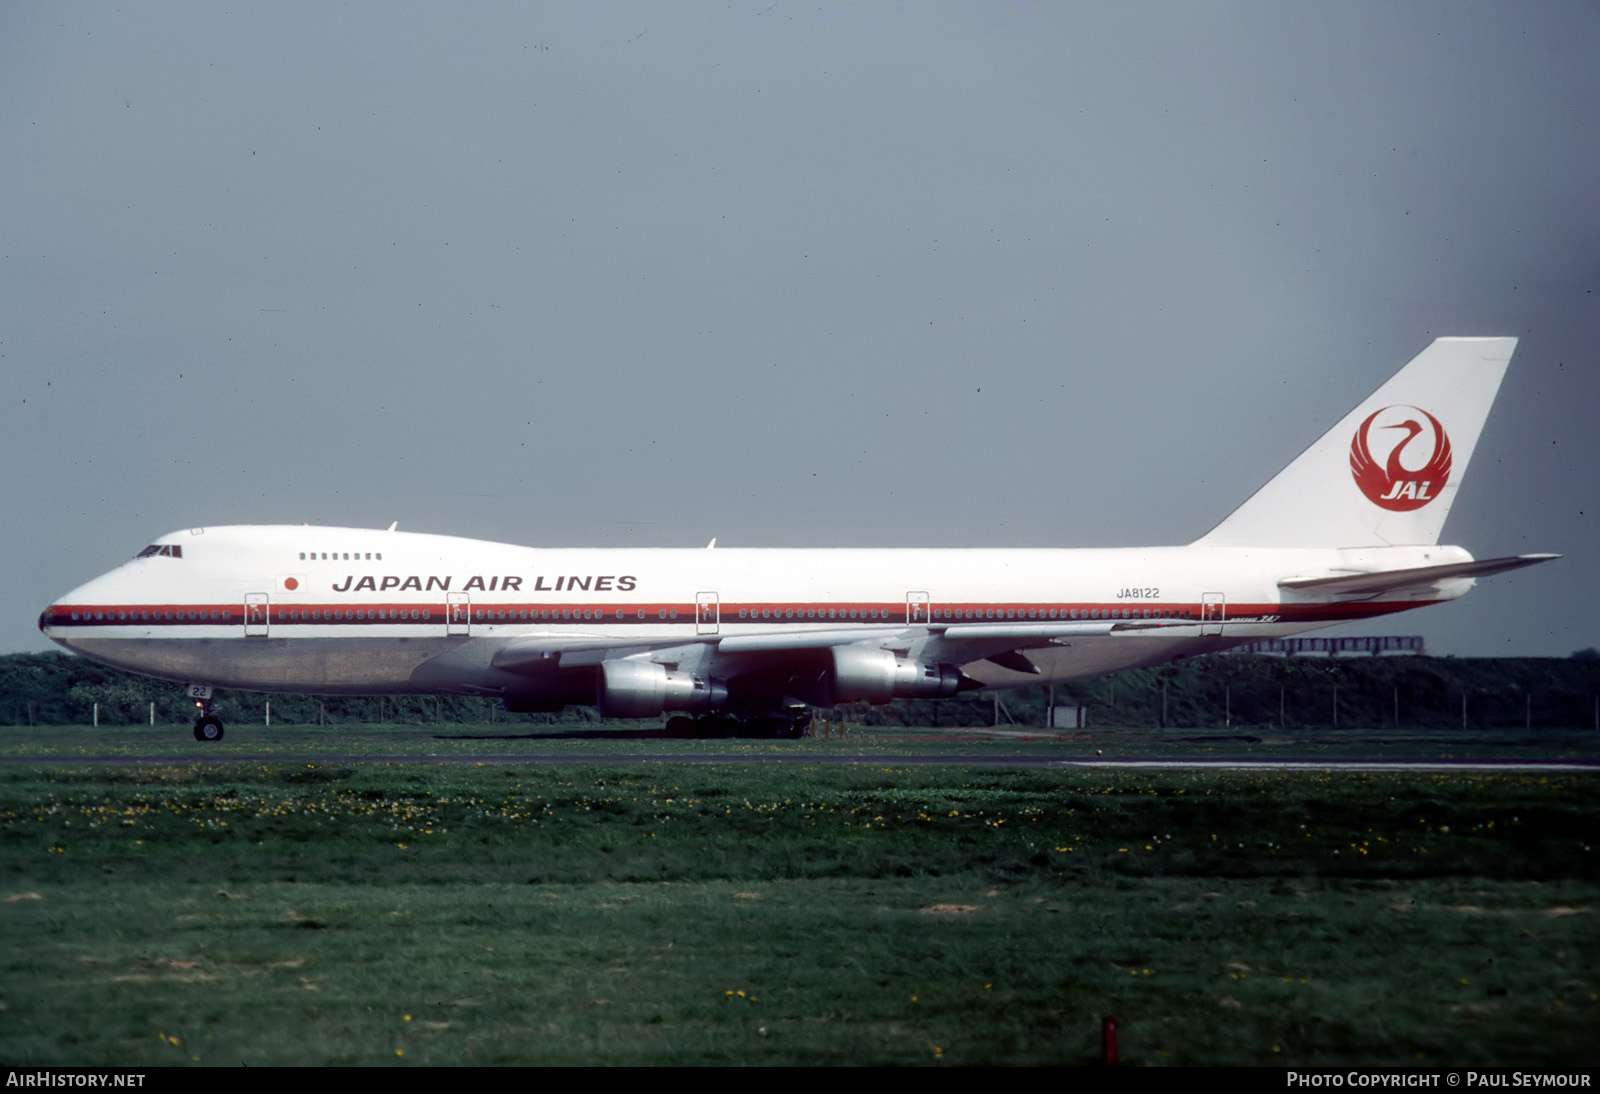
[{"x": 1387, "y": 473}]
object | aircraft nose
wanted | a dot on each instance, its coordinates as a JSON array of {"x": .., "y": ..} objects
[
  {"x": 50, "y": 621},
  {"x": 49, "y": 624},
  {"x": 55, "y": 622}
]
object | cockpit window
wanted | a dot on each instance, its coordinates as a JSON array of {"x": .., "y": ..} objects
[{"x": 170, "y": 550}]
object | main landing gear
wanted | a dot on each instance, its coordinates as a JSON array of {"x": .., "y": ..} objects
[
  {"x": 207, "y": 726},
  {"x": 790, "y": 724}
]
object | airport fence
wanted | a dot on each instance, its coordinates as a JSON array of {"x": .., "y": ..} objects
[{"x": 1220, "y": 691}]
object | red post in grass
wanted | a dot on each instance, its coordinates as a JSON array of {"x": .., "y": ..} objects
[{"x": 1108, "y": 1042}]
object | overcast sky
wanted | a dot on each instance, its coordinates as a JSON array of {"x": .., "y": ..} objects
[{"x": 986, "y": 274}]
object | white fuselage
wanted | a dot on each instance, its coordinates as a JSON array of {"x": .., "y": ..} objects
[{"x": 333, "y": 610}]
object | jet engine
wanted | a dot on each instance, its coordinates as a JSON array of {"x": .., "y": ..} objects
[
  {"x": 643, "y": 689},
  {"x": 877, "y": 676}
]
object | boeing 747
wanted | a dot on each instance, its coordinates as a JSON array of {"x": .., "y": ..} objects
[{"x": 734, "y": 641}]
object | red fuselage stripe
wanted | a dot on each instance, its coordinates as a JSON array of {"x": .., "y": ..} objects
[{"x": 282, "y": 614}]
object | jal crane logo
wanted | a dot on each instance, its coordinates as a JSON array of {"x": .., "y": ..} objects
[{"x": 1392, "y": 484}]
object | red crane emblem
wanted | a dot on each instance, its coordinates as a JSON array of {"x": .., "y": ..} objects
[{"x": 1393, "y": 485}]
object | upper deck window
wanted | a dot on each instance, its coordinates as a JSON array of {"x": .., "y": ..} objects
[{"x": 170, "y": 550}]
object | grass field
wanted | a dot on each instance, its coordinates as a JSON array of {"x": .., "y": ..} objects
[
  {"x": 271, "y": 912},
  {"x": 632, "y": 739}
]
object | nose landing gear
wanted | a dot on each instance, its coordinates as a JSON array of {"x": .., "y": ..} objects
[{"x": 207, "y": 726}]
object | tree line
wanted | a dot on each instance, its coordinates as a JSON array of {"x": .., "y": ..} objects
[{"x": 1219, "y": 690}]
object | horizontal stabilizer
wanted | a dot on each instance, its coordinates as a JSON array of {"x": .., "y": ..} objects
[{"x": 1417, "y": 577}]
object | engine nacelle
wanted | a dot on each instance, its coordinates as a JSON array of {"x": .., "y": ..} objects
[
  {"x": 877, "y": 676},
  {"x": 643, "y": 689}
]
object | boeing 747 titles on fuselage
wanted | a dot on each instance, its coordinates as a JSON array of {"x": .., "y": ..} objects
[{"x": 746, "y": 641}]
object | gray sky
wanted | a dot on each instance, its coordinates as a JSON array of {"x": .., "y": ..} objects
[{"x": 839, "y": 275}]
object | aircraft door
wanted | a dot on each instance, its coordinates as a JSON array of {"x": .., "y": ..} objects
[
  {"x": 457, "y": 613},
  {"x": 705, "y": 613},
  {"x": 1212, "y": 609},
  {"x": 917, "y": 613},
  {"x": 256, "y": 615}
]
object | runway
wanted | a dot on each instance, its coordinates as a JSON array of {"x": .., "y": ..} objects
[{"x": 1104, "y": 763}]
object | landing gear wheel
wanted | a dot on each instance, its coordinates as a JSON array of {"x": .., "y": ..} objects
[
  {"x": 680, "y": 726},
  {"x": 208, "y": 728},
  {"x": 767, "y": 726},
  {"x": 799, "y": 724},
  {"x": 717, "y": 726}
]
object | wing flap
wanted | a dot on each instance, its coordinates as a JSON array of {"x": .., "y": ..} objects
[
  {"x": 810, "y": 640},
  {"x": 1039, "y": 634},
  {"x": 1043, "y": 632},
  {"x": 534, "y": 653}
]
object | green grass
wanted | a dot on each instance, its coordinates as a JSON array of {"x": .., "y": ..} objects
[
  {"x": 274, "y": 913},
  {"x": 624, "y": 740}
]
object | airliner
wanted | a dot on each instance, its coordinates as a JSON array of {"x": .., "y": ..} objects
[{"x": 746, "y": 641}]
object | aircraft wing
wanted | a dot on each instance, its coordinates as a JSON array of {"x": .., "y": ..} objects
[
  {"x": 1422, "y": 580},
  {"x": 960, "y": 642},
  {"x": 1009, "y": 633}
]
